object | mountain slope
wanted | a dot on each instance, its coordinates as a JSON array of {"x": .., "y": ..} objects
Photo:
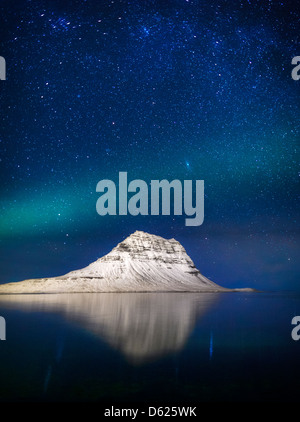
[{"x": 141, "y": 263}]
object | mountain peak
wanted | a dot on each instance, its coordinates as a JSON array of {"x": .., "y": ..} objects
[
  {"x": 142, "y": 262},
  {"x": 144, "y": 246}
]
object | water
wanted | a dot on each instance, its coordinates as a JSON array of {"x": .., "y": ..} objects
[{"x": 149, "y": 348}]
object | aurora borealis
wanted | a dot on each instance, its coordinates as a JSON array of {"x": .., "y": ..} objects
[{"x": 162, "y": 90}]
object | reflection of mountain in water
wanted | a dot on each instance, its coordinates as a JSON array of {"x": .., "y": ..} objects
[{"x": 142, "y": 326}]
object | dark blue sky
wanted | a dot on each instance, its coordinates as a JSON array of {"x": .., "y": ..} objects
[{"x": 162, "y": 90}]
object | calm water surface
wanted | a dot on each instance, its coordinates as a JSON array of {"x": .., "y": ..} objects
[{"x": 150, "y": 347}]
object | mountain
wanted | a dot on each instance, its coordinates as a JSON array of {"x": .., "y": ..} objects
[{"x": 140, "y": 263}]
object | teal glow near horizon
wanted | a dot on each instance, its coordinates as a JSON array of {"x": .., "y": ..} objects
[{"x": 160, "y": 90}]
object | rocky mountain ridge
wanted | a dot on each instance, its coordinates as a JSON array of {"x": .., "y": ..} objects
[{"x": 141, "y": 263}]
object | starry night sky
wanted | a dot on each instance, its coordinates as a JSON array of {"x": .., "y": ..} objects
[{"x": 162, "y": 90}]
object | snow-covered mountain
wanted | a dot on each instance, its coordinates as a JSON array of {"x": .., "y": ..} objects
[{"x": 140, "y": 263}]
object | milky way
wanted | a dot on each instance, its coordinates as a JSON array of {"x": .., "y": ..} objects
[{"x": 162, "y": 90}]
